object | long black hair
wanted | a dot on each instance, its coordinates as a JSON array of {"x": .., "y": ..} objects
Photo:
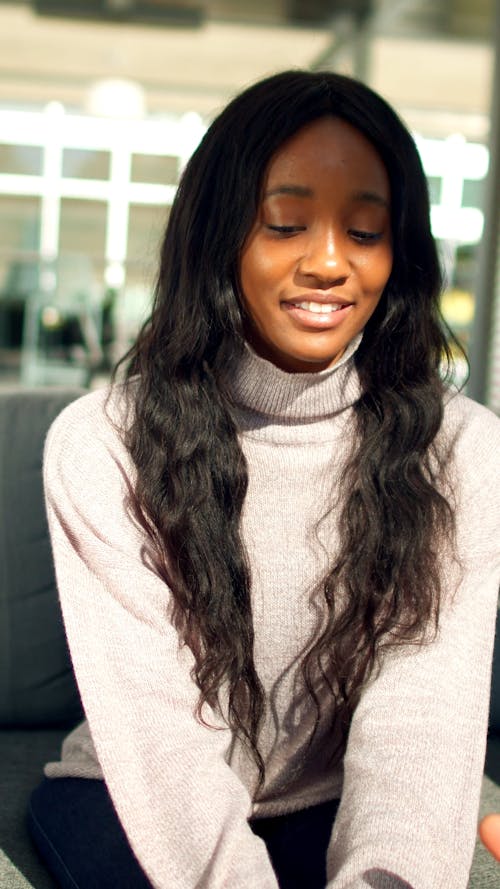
[{"x": 183, "y": 438}]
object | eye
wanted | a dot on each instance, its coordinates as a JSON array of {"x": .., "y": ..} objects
[
  {"x": 365, "y": 237},
  {"x": 286, "y": 230}
]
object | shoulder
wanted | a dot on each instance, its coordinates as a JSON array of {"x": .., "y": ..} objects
[
  {"x": 463, "y": 410},
  {"x": 472, "y": 432},
  {"x": 472, "y": 428},
  {"x": 98, "y": 415},
  {"x": 87, "y": 436}
]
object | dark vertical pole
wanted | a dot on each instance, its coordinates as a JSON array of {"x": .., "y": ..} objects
[{"x": 488, "y": 273}]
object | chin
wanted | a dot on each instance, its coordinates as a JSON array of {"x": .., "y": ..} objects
[{"x": 297, "y": 363}]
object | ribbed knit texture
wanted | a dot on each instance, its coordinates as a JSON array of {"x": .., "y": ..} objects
[{"x": 411, "y": 776}]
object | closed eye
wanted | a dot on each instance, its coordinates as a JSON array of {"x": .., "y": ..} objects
[
  {"x": 286, "y": 229},
  {"x": 364, "y": 236}
]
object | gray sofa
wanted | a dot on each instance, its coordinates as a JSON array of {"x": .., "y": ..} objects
[{"x": 38, "y": 697}]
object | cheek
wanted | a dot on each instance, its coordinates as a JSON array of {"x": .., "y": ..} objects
[
  {"x": 257, "y": 272},
  {"x": 377, "y": 271},
  {"x": 388, "y": 261}
]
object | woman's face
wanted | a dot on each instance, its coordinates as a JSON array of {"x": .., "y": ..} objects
[{"x": 319, "y": 254}]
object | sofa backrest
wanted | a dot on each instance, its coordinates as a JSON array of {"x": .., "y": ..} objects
[{"x": 37, "y": 685}]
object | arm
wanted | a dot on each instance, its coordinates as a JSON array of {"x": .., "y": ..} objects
[
  {"x": 415, "y": 755},
  {"x": 183, "y": 809}
]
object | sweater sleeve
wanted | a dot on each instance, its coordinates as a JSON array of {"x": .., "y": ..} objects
[
  {"x": 415, "y": 754},
  {"x": 183, "y": 809}
]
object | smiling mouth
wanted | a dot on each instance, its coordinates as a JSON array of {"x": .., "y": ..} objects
[
  {"x": 317, "y": 314},
  {"x": 319, "y": 308}
]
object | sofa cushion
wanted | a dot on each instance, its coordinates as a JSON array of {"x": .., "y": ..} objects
[
  {"x": 37, "y": 686},
  {"x": 23, "y": 754}
]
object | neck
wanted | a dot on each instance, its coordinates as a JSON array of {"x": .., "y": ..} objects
[{"x": 260, "y": 386}]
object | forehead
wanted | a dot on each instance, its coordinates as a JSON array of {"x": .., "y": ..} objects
[{"x": 327, "y": 148}]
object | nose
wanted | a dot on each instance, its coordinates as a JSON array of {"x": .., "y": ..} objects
[{"x": 325, "y": 259}]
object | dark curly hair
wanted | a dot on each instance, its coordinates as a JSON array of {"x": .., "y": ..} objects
[{"x": 183, "y": 437}]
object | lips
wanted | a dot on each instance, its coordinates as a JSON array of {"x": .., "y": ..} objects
[
  {"x": 318, "y": 308},
  {"x": 323, "y": 313},
  {"x": 318, "y": 301}
]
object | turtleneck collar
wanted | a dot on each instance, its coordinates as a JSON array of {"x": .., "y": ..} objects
[{"x": 260, "y": 386}]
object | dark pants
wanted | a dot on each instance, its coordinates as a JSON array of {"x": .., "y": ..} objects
[{"x": 77, "y": 833}]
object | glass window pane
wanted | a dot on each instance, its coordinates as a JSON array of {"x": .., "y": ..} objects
[
  {"x": 473, "y": 192},
  {"x": 23, "y": 160},
  {"x": 145, "y": 231},
  {"x": 158, "y": 169},
  {"x": 434, "y": 183},
  {"x": 83, "y": 227},
  {"x": 458, "y": 301},
  {"x": 19, "y": 263},
  {"x": 19, "y": 241},
  {"x": 80, "y": 163}
]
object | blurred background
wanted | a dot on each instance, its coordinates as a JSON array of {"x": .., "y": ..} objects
[{"x": 103, "y": 101}]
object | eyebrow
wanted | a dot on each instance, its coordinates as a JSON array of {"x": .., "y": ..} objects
[
  {"x": 302, "y": 191},
  {"x": 371, "y": 197}
]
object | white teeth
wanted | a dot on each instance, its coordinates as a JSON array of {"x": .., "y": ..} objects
[{"x": 319, "y": 308}]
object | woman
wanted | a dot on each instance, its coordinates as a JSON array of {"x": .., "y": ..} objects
[{"x": 276, "y": 542}]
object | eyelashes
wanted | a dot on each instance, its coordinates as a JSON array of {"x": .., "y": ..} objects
[
  {"x": 359, "y": 235},
  {"x": 365, "y": 236},
  {"x": 286, "y": 229}
]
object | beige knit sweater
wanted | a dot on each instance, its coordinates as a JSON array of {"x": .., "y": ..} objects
[{"x": 411, "y": 776}]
